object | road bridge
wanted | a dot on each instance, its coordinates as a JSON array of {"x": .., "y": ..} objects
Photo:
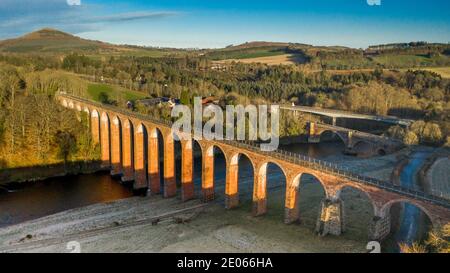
[{"x": 334, "y": 114}]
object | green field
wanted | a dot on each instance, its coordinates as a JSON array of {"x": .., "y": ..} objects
[
  {"x": 247, "y": 53},
  {"x": 348, "y": 63},
  {"x": 406, "y": 61},
  {"x": 443, "y": 71},
  {"x": 114, "y": 92}
]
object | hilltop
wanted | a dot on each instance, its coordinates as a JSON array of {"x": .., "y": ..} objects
[{"x": 52, "y": 40}]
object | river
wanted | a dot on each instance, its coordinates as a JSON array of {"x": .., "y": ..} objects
[
  {"x": 33, "y": 200},
  {"x": 412, "y": 225}
]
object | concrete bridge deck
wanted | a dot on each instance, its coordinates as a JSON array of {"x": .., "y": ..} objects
[
  {"x": 112, "y": 126},
  {"x": 344, "y": 114}
]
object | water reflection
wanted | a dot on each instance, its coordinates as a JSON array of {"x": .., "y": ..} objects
[
  {"x": 316, "y": 150},
  {"x": 34, "y": 200}
]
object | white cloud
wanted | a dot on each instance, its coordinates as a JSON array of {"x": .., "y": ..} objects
[{"x": 19, "y": 17}]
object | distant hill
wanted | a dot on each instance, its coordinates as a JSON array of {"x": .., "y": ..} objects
[
  {"x": 401, "y": 55},
  {"x": 256, "y": 44},
  {"x": 256, "y": 50},
  {"x": 411, "y": 45},
  {"x": 51, "y": 40}
]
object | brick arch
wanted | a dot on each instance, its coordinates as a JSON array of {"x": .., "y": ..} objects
[
  {"x": 221, "y": 149},
  {"x": 71, "y": 105},
  {"x": 235, "y": 156},
  {"x": 208, "y": 168},
  {"x": 116, "y": 152},
  {"x": 265, "y": 163},
  {"x": 292, "y": 209},
  {"x": 153, "y": 132},
  {"x": 295, "y": 183},
  {"x": 140, "y": 156},
  {"x": 65, "y": 103},
  {"x": 385, "y": 210},
  {"x": 170, "y": 188},
  {"x": 194, "y": 141},
  {"x": 360, "y": 142},
  {"x": 105, "y": 139},
  {"x": 95, "y": 125},
  {"x": 95, "y": 113},
  {"x": 375, "y": 208},
  {"x": 338, "y": 133},
  {"x": 341, "y": 187},
  {"x": 127, "y": 149},
  {"x": 78, "y": 107},
  {"x": 154, "y": 172},
  {"x": 104, "y": 115},
  {"x": 260, "y": 186},
  {"x": 232, "y": 178}
]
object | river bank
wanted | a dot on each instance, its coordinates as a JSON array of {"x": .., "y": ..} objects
[
  {"x": 42, "y": 172},
  {"x": 169, "y": 226}
]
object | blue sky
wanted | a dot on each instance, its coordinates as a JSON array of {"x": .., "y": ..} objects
[{"x": 217, "y": 23}]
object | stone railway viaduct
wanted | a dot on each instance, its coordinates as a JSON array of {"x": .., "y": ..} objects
[{"x": 129, "y": 147}]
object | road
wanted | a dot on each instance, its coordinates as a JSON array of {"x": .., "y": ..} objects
[{"x": 344, "y": 114}]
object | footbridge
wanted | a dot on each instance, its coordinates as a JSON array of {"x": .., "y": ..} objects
[{"x": 129, "y": 147}]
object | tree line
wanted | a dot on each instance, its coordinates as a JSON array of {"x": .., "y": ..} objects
[
  {"x": 420, "y": 95},
  {"x": 34, "y": 128}
]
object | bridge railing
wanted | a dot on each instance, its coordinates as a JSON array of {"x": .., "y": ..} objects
[
  {"x": 299, "y": 159},
  {"x": 335, "y": 169}
]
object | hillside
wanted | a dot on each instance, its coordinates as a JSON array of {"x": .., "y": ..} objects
[
  {"x": 396, "y": 56},
  {"x": 49, "y": 40}
]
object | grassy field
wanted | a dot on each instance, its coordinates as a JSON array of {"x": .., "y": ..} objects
[
  {"x": 285, "y": 59},
  {"x": 348, "y": 62},
  {"x": 404, "y": 61},
  {"x": 247, "y": 53},
  {"x": 443, "y": 71},
  {"x": 114, "y": 92}
]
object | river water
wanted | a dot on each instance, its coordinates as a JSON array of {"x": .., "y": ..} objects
[
  {"x": 412, "y": 225},
  {"x": 34, "y": 200}
]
